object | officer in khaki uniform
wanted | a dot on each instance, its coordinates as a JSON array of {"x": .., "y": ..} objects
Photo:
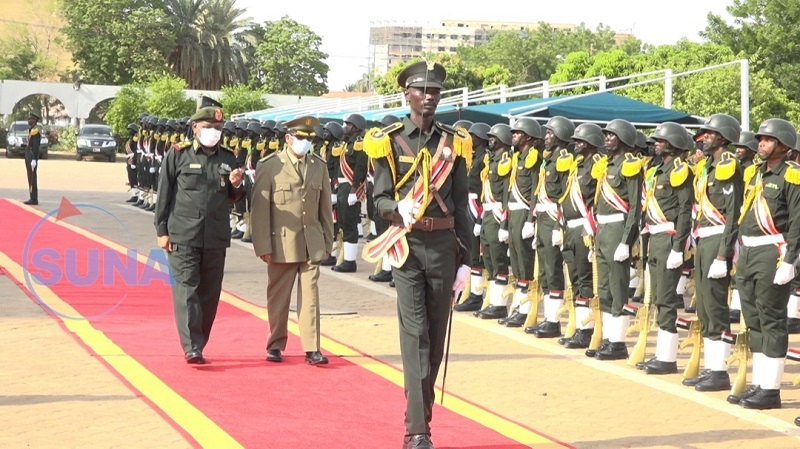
[
  {"x": 292, "y": 233},
  {"x": 196, "y": 189},
  {"x": 770, "y": 241}
]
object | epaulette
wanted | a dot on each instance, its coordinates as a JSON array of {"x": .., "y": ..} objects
[
  {"x": 377, "y": 143},
  {"x": 504, "y": 166},
  {"x": 319, "y": 156},
  {"x": 599, "y": 167},
  {"x": 268, "y": 156},
  {"x": 234, "y": 141},
  {"x": 34, "y": 130},
  {"x": 726, "y": 167},
  {"x": 446, "y": 128},
  {"x": 792, "y": 175},
  {"x": 247, "y": 143},
  {"x": 135, "y": 138},
  {"x": 337, "y": 150},
  {"x": 260, "y": 146},
  {"x": 182, "y": 145},
  {"x": 679, "y": 174},
  {"x": 750, "y": 171},
  {"x": 631, "y": 166},
  {"x": 358, "y": 145},
  {"x": 531, "y": 158},
  {"x": 273, "y": 144},
  {"x": 164, "y": 137},
  {"x": 564, "y": 161},
  {"x": 462, "y": 144},
  {"x": 156, "y": 136}
]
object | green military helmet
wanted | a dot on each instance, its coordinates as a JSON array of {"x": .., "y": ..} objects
[
  {"x": 184, "y": 121},
  {"x": 318, "y": 130},
  {"x": 336, "y": 130},
  {"x": 748, "y": 140},
  {"x": 466, "y": 124},
  {"x": 229, "y": 126},
  {"x": 172, "y": 124},
  {"x": 357, "y": 120},
  {"x": 254, "y": 127},
  {"x": 641, "y": 140},
  {"x": 162, "y": 123},
  {"x": 529, "y": 126},
  {"x": 779, "y": 129},
  {"x": 589, "y": 133},
  {"x": 241, "y": 124},
  {"x": 268, "y": 124},
  {"x": 143, "y": 115},
  {"x": 727, "y": 126},
  {"x": 674, "y": 134},
  {"x": 280, "y": 127},
  {"x": 133, "y": 128},
  {"x": 562, "y": 127},
  {"x": 622, "y": 129},
  {"x": 388, "y": 119},
  {"x": 502, "y": 132},
  {"x": 480, "y": 130}
]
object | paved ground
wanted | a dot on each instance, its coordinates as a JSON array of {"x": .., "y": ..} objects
[{"x": 582, "y": 402}]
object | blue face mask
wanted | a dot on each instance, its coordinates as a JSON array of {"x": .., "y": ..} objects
[{"x": 300, "y": 147}]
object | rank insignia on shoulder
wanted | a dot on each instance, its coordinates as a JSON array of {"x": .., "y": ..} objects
[
  {"x": 504, "y": 166},
  {"x": 600, "y": 167},
  {"x": 34, "y": 130},
  {"x": 531, "y": 158},
  {"x": 792, "y": 175},
  {"x": 377, "y": 143},
  {"x": 680, "y": 173},
  {"x": 180, "y": 146},
  {"x": 631, "y": 166},
  {"x": 564, "y": 161},
  {"x": 726, "y": 167}
]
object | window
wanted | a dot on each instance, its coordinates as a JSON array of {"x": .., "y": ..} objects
[
  {"x": 418, "y": 48},
  {"x": 418, "y": 35},
  {"x": 441, "y": 49},
  {"x": 442, "y": 36},
  {"x": 452, "y": 49},
  {"x": 454, "y": 36}
]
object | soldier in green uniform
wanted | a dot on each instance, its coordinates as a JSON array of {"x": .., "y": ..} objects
[
  {"x": 130, "y": 161},
  {"x": 241, "y": 147},
  {"x": 251, "y": 146},
  {"x": 745, "y": 150},
  {"x": 141, "y": 158},
  {"x": 335, "y": 146},
  {"x": 718, "y": 189},
  {"x": 619, "y": 215},
  {"x": 553, "y": 173},
  {"x": 770, "y": 241},
  {"x": 436, "y": 227},
  {"x": 350, "y": 190},
  {"x": 32, "y": 158},
  {"x": 378, "y": 224},
  {"x": 668, "y": 222},
  {"x": 479, "y": 136},
  {"x": 577, "y": 205},
  {"x": 494, "y": 234},
  {"x": 526, "y": 134},
  {"x": 197, "y": 186}
]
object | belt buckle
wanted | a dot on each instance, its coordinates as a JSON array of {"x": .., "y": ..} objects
[{"x": 426, "y": 224}]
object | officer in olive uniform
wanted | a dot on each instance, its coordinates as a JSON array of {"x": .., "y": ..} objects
[
  {"x": 32, "y": 158},
  {"x": 333, "y": 136},
  {"x": 480, "y": 141},
  {"x": 668, "y": 221},
  {"x": 197, "y": 187},
  {"x": 577, "y": 205},
  {"x": 351, "y": 188},
  {"x": 130, "y": 161},
  {"x": 718, "y": 188},
  {"x": 770, "y": 242},
  {"x": 494, "y": 234},
  {"x": 526, "y": 134},
  {"x": 556, "y": 162},
  {"x": 619, "y": 215},
  {"x": 436, "y": 266}
]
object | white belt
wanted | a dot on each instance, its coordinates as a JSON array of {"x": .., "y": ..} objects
[
  {"x": 763, "y": 240},
  {"x": 611, "y": 218},
  {"x": 490, "y": 207},
  {"x": 708, "y": 231},
  {"x": 659, "y": 228},
  {"x": 518, "y": 206},
  {"x": 576, "y": 223},
  {"x": 343, "y": 181},
  {"x": 542, "y": 207}
]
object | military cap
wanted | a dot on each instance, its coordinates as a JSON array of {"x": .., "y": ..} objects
[
  {"x": 210, "y": 111},
  {"x": 422, "y": 74},
  {"x": 303, "y": 126},
  {"x": 208, "y": 102},
  {"x": 33, "y": 116}
]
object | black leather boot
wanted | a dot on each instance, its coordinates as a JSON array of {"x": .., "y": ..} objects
[
  {"x": 549, "y": 330},
  {"x": 517, "y": 320},
  {"x": 692, "y": 381},
  {"x": 533, "y": 329},
  {"x": 763, "y": 400},
  {"x": 382, "y": 276},
  {"x": 593, "y": 352},
  {"x": 641, "y": 365},
  {"x": 793, "y": 325},
  {"x": 471, "y": 304},
  {"x": 659, "y": 367},
  {"x": 329, "y": 262},
  {"x": 716, "y": 381},
  {"x": 347, "y": 266},
  {"x": 613, "y": 351},
  {"x": 751, "y": 390},
  {"x": 493, "y": 312},
  {"x": 580, "y": 340}
]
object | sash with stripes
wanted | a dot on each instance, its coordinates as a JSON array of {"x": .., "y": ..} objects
[
  {"x": 654, "y": 213},
  {"x": 541, "y": 195},
  {"x": 755, "y": 200},
  {"x": 705, "y": 207},
  {"x": 576, "y": 199},
  {"x": 610, "y": 195},
  {"x": 347, "y": 173},
  {"x": 497, "y": 206},
  {"x": 513, "y": 188}
]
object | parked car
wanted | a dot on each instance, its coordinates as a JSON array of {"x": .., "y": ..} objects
[
  {"x": 96, "y": 140},
  {"x": 17, "y": 140}
]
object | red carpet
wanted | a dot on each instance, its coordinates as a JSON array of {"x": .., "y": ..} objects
[{"x": 288, "y": 405}]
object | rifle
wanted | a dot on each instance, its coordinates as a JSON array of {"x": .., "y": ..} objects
[
  {"x": 339, "y": 245},
  {"x": 595, "y": 315},
  {"x": 642, "y": 323},
  {"x": 466, "y": 291},
  {"x": 534, "y": 294},
  {"x": 741, "y": 353},
  {"x": 568, "y": 308},
  {"x": 794, "y": 354},
  {"x": 695, "y": 339}
]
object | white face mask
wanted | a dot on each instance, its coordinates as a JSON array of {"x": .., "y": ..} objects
[
  {"x": 300, "y": 146},
  {"x": 209, "y": 137}
]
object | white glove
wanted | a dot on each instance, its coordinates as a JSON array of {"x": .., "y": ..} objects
[
  {"x": 502, "y": 235},
  {"x": 33, "y": 164},
  {"x": 718, "y": 269},
  {"x": 622, "y": 253},
  {"x": 784, "y": 274},
  {"x": 675, "y": 260},
  {"x": 557, "y": 239},
  {"x": 533, "y": 243},
  {"x": 152, "y": 170},
  {"x": 461, "y": 281},
  {"x": 334, "y": 198},
  {"x": 476, "y": 230},
  {"x": 133, "y": 167},
  {"x": 352, "y": 199},
  {"x": 408, "y": 209},
  {"x": 528, "y": 230}
]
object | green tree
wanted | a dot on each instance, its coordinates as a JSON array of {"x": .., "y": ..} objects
[
  {"x": 166, "y": 98},
  {"x": 241, "y": 98},
  {"x": 289, "y": 60},
  {"x": 125, "y": 108}
]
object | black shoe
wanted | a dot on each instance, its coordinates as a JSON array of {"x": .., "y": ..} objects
[
  {"x": 516, "y": 320},
  {"x": 138, "y": 203},
  {"x": 637, "y": 299},
  {"x": 383, "y": 276},
  {"x": 793, "y": 325},
  {"x": 132, "y": 199},
  {"x": 274, "y": 355},
  {"x": 194, "y": 357},
  {"x": 736, "y": 316},
  {"x": 348, "y": 266},
  {"x": 593, "y": 352},
  {"x": 613, "y": 351},
  {"x": 417, "y": 442},
  {"x": 548, "y": 330},
  {"x": 641, "y": 365},
  {"x": 247, "y": 239},
  {"x": 492, "y": 313},
  {"x": 329, "y": 262},
  {"x": 144, "y": 205},
  {"x": 763, "y": 400},
  {"x": 237, "y": 234},
  {"x": 797, "y": 421},
  {"x": 716, "y": 381},
  {"x": 533, "y": 329},
  {"x": 692, "y": 381},
  {"x": 504, "y": 320},
  {"x": 471, "y": 304},
  {"x": 751, "y": 390},
  {"x": 316, "y": 358},
  {"x": 690, "y": 309},
  {"x": 31, "y": 202},
  {"x": 580, "y": 340},
  {"x": 151, "y": 208},
  {"x": 659, "y": 367},
  {"x": 391, "y": 284}
]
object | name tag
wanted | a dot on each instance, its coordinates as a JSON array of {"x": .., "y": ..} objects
[
  {"x": 407, "y": 159},
  {"x": 195, "y": 166},
  {"x": 772, "y": 185}
]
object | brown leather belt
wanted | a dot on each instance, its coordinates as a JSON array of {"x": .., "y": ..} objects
[{"x": 428, "y": 224}]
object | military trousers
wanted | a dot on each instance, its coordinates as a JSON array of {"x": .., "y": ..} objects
[
  {"x": 521, "y": 250},
  {"x": 348, "y": 217},
  {"x": 197, "y": 274},
  {"x": 613, "y": 277},
  {"x": 424, "y": 286},
  {"x": 551, "y": 261},
  {"x": 579, "y": 267},
  {"x": 131, "y": 170},
  {"x": 495, "y": 252},
  {"x": 663, "y": 282},
  {"x": 33, "y": 180},
  {"x": 711, "y": 295},
  {"x": 763, "y": 301},
  {"x": 280, "y": 282}
]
